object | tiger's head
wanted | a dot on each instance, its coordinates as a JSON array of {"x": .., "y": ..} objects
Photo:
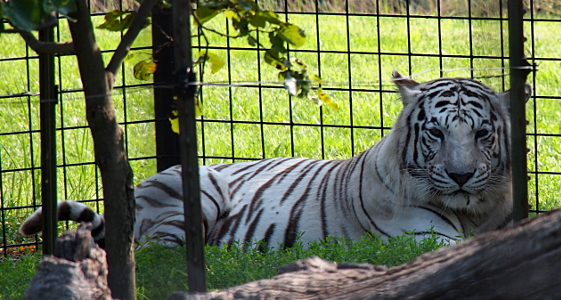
[{"x": 455, "y": 135}]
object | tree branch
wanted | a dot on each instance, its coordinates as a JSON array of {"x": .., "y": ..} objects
[
  {"x": 128, "y": 39},
  {"x": 45, "y": 47},
  {"x": 88, "y": 54},
  {"x": 41, "y": 47},
  {"x": 520, "y": 262}
]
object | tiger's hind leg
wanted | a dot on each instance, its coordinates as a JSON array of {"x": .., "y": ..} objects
[
  {"x": 159, "y": 210},
  {"x": 215, "y": 199}
]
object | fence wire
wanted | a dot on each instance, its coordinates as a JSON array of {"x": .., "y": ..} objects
[{"x": 353, "y": 45}]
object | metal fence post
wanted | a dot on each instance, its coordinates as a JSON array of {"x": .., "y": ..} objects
[
  {"x": 167, "y": 141},
  {"x": 518, "y": 109},
  {"x": 48, "y": 91},
  {"x": 188, "y": 145}
]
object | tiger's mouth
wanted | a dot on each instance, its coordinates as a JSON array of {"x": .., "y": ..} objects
[
  {"x": 458, "y": 197},
  {"x": 467, "y": 196},
  {"x": 461, "y": 199}
]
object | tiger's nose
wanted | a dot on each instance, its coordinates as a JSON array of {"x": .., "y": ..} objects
[{"x": 460, "y": 179}]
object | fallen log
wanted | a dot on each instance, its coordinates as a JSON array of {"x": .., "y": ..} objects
[
  {"x": 77, "y": 270},
  {"x": 520, "y": 262}
]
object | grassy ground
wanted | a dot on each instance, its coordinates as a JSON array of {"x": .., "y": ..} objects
[
  {"x": 161, "y": 270},
  {"x": 357, "y": 56}
]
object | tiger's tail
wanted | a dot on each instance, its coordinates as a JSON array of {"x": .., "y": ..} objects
[{"x": 68, "y": 211}]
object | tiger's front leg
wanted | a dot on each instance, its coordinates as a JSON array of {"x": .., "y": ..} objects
[{"x": 423, "y": 221}]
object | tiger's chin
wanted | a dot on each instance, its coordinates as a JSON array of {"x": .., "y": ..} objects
[{"x": 464, "y": 201}]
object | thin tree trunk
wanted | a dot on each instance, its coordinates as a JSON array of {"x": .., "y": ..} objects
[
  {"x": 110, "y": 155},
  {"x": 520, "y": 262}
]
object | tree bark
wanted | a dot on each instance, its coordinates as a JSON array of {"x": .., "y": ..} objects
[
  {"x": 110, "y": 155},
  {"x": 78, "y": 270},
  {"x": 520, "y": 262}
]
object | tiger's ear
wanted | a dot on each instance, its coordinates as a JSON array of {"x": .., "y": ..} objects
[
  {"x": 505, "y": 96},
  {"x": 408, "y": 88}
]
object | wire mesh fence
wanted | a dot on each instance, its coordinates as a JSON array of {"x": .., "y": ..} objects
[
  {"x": 352, "y": 45},
  {"x": 77, "y": 176}
]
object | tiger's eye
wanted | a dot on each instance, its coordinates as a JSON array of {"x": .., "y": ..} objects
[
  {"x": 436, "y": 133},
  {"x": 481, "y": 133}
]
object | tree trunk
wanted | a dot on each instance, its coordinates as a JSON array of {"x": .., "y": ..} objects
[
  {"x": 520, "y": 262},
  {"x": 78, "y": 270},
  {"x": 110, "y": 155}
]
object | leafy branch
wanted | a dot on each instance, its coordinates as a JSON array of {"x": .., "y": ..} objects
[{"x": 247, "y": 17}]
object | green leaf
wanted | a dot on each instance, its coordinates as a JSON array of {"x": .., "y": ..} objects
[
  {"x": 277, "y": 43},
  {"x": 270, "y": 17},
  {"x": 114, "y": 22},
  {"x": 113, "y": 15},
  {"x": 205, "y": 14},
  {"x": 199, "y": 109},
  {"x": 50, "y": 6},
  {"x": 23, "y": 14},
  {"x": 213, "y": 4},
  {"x": 299, "y": 62},
  {"x": 174, "y": 117},
  {"x": 272, "y": 58},
  {"x": 69, "y": 8},
  {"x": 216, "y": 63},
  {"x": 292, "y": 34},
  {"x": 317, "y": 79},
  {"x": 241, "y": 26},
  {"x": 174, "y": 120},
  {"x": 327, "y": 100},
  {"x": 251, "y": 41},
  {"x": 305, "y": 86},
  {"x": 64, "y": 7},
  {"x": 127, "y": 21},
  {"x": 282, "y": 75},
  {"x": 130, "y": 56},
  {"x": 143, "y": 69},
  {"x": 231, "y": 15},
  {"x": 323, "y": 98},
  {"x": 257, "y": 21}
]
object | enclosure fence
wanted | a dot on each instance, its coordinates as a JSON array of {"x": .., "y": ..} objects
[{"x": 352, "y": 45}]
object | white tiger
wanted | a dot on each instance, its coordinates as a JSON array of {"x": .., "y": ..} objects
[{"x": 443, "y": 168}]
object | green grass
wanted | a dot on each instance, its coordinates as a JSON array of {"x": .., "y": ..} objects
[
  {"x": 16, "y": 275},
  {"x": 162, "y": 270}
]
